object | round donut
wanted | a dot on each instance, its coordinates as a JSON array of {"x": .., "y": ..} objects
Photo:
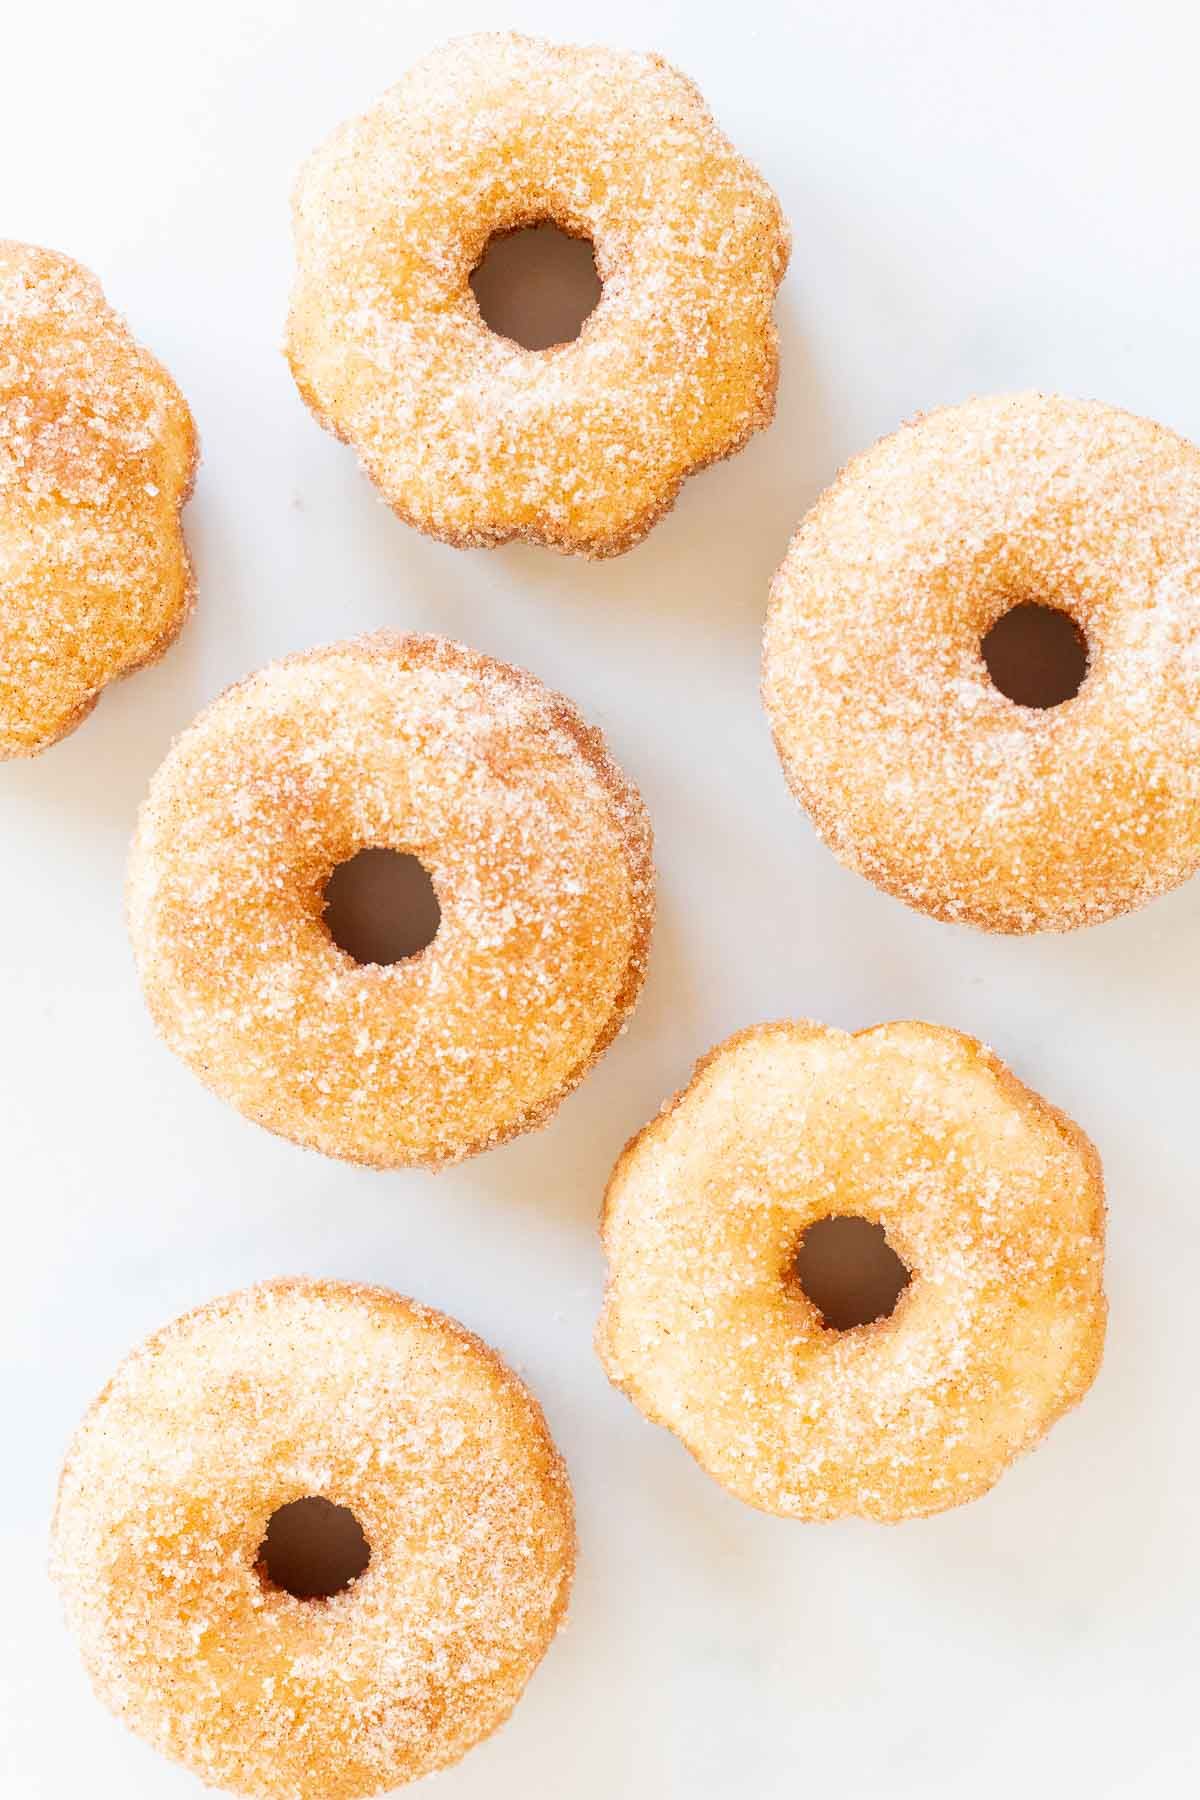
[
  {"x": 991, "y": 1198},
  {"x": 915, "y": 768},
  {"x": 97, "y": 455},
  {"x": 539, "y": 850},
  {"x": 284, "y": 1392},
  {"x": 470, "y": 437}
]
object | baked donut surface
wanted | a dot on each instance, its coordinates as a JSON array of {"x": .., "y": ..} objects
[
  {"x": 285, "y": 1391},
  {"x": 97, "y": 455},
  {"x": 469, "y": 436},
  {"x": 992, "y": 1199},
  {"x": 915, "y": 768},
  {"x": 539, "y": 849}
]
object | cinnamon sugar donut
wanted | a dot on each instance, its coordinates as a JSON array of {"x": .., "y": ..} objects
[
  {"x": 285, "y": 1392},
  {"x": 469, "y": 437},
  {"x": 97, "y": 454},
  {"x": 991, "y": 1197},
  {"x": 540, "y": 854},
  {"x": 915, "y": 768}
]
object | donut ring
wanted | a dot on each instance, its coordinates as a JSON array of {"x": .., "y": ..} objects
[
  {"x": 992, "y": 1198},
  {"x": 470, "y": 437},
  {"x": 97, "y": 455},
  {"x": 916, "y": 770},
  {"x": 285, "y": 1391},
  {"x": 540, "y": 854}
]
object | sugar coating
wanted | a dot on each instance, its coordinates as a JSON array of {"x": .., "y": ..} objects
[
  {"x": 469, "y": 436},
  {"x": 992, "y": 1198},
  {"x": 286, "y": 1390},
  {"x": 540, "y": 854},
  {"x": 97, "y": 455},
  {"x": 915, "y": 769}
]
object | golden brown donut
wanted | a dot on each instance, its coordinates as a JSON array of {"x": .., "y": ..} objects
[
  {"x": 916, "y": 770},
  {"x": 540, "y": 854},
  {"x": 97, "y": 455},
  {"x": 285, "y": 1391},
  {"x": 469, "y": 436},
  {"x": 992, "y": 1198}
]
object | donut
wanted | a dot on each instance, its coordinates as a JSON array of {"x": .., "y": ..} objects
[
  {"x": 539, "y": 850},
  {"x": 916, "y": 769},
  {"x": 97, "y": 455},
  {"x": 470, "y": 437},
  {"x": 348, "y": 1397},
  {"x": 992, "y": 1199}
]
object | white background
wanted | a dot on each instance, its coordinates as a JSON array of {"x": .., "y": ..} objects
[{"x": 982, "y": 196}]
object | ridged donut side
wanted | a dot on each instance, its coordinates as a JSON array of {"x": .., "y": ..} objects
[{"x": 98, "y": 455}]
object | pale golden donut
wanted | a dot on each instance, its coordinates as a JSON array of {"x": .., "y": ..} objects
[
  {"x": 916, "y": 770},
  {"x": 540, "y": 854},
  {"x": 97, "y": 454},
  {"x": 991, "y": 1197},
  {"x": 285, "y": 1391},
  {"x": 468, "y": 436}
]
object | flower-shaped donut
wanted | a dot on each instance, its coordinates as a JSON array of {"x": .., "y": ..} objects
[
  {"x": 470, "y": 437},
  {"x": 97, "y": 454},
  {"x": 992, "y": 1199}
]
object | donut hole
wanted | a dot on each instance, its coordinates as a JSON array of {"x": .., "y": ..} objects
[
  {"x": 537, "y": 285},
  {"x": 313, "y": 1549},
  {"x": 381, "y": 906},
  {"x": 1036, "y": 655},
  {"x": 850, "y": 1272}
]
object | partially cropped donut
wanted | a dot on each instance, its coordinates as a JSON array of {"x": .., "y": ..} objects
[
  {"x": 539, "y": 850},
  {"x": 469, "y": 436},
  {"x": 992, "y": 1199},
  {"x": 97, "y": 454},
  {"x": 349, "y": 1397},
  {"x": 915, "y": 767}
]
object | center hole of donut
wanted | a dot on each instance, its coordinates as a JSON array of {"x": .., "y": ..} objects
[
  {"x": 537, "y": 285},
  {"x": 381, "y": 906},
  {"x": 313, "y": 1549},
  {"x": 850, "y": 1272},
  {"x": 1036, "y": 655}
]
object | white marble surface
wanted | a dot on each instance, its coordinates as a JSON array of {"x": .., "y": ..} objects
[{"x": 982, "y": 197}]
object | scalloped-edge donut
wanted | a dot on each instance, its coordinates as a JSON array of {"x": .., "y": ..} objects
[
  {"x": 285, "y": 1391},
  {"x": 470, "y": 437},
  {"x": 540, "y": 854},
  {"x": 914, "y": 767},
  {"x": 97, "y": 457},
  {"x": 992, "y": 1198}
]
